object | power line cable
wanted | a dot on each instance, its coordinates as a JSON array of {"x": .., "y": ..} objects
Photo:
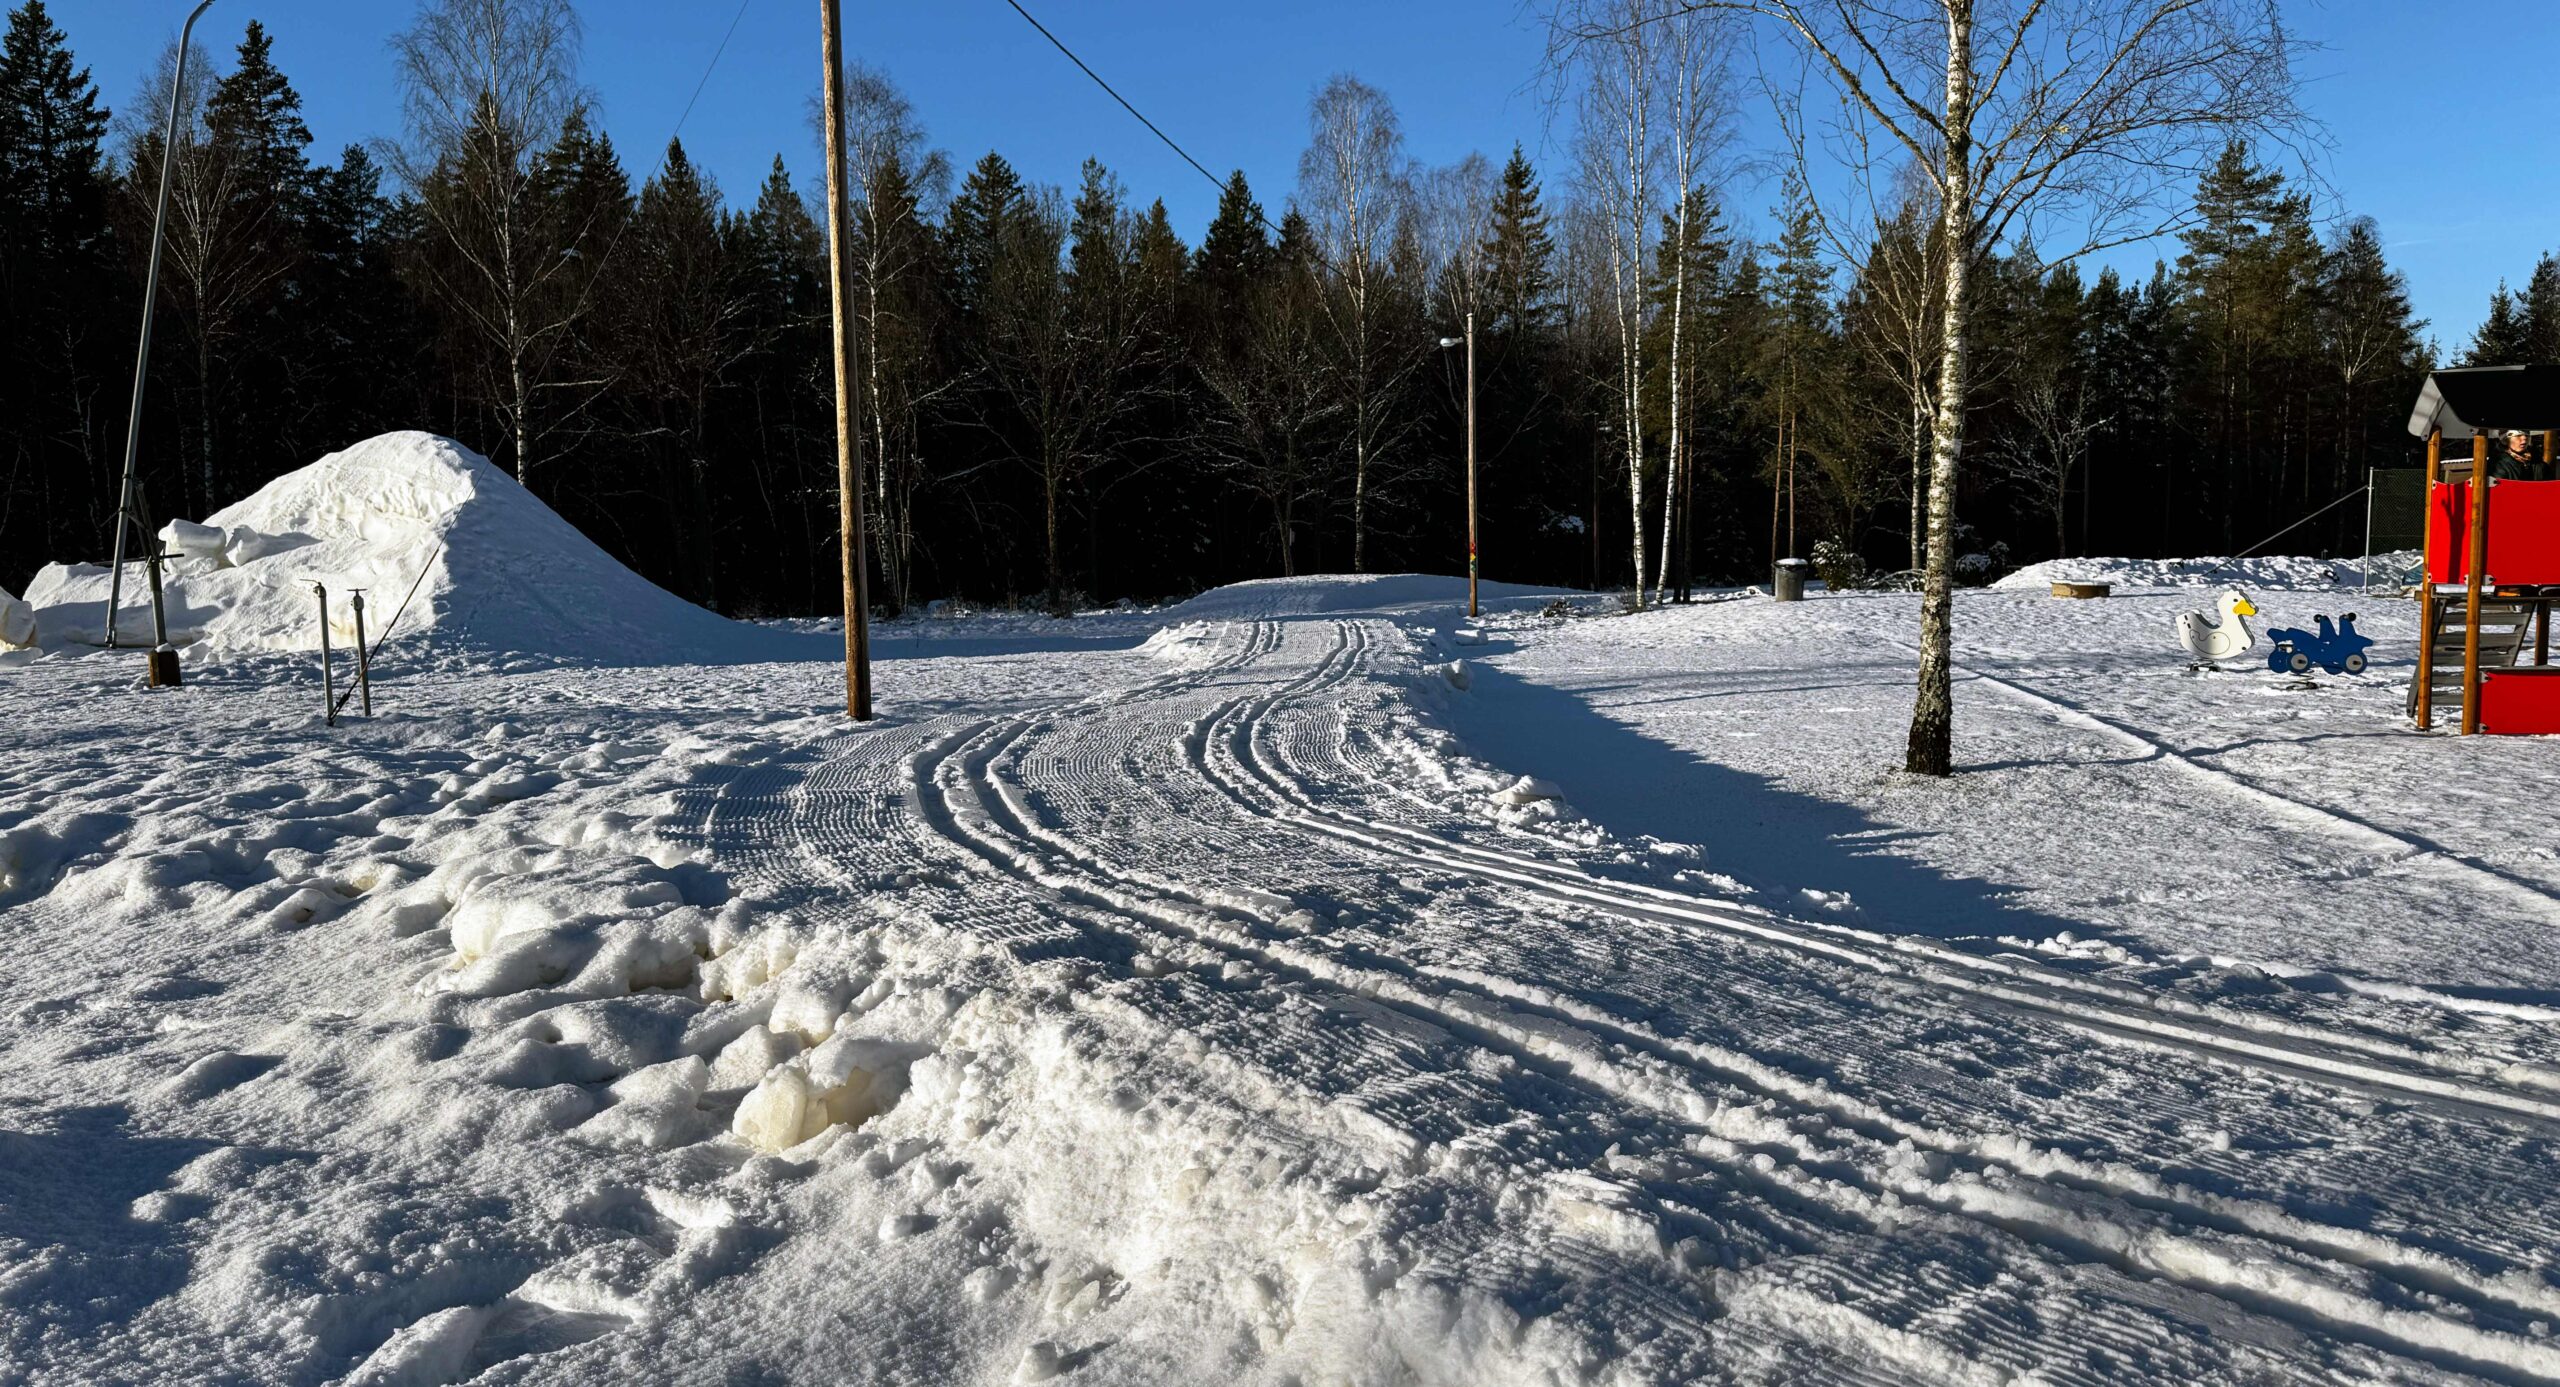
[
  {"x": 1152, "y": 127},
  {"x": 596, "y": 275},
  {"x": 1088, "y": 71}
]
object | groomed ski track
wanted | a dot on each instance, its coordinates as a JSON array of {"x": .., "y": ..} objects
[{"x": 1795, "y": 1148}]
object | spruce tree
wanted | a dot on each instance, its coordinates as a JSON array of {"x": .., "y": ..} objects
[
  {"x": 357, "y": 332},
  {"x": 1519, "y": 254},
  {"x": 58, "y": 298},
  {"x": 990, "y": 207},
  {"x": 1236, "y": 248},
  {"x": 2504, "y": 337},
  {"x": 2542, "y": 313}
]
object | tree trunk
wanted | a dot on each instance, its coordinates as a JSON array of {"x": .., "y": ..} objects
[
  {"x": 1671, "y": 458},
  {"x": 1919, "y": 472},
  {"x": 1931, "y": 749},
  {"x": 204, "y": 422},
  {"x": 1049, "y": 531}
]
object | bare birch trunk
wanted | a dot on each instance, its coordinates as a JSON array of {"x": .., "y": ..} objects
[{"x": 1931, "y": 749}]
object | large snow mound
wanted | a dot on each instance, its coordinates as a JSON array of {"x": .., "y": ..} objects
[
  {"x": 2273, "y": 572},
  {"x": 1325, "y": 594},
  {"x": 496, "y": 572}
]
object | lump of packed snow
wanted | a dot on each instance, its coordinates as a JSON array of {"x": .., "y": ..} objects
[
  {"x": 17, "y": 621},
  {"x": 1528, "y": 789},
  {"x": 496, "y": 572}
]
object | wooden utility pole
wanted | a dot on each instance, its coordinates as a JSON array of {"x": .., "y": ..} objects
[
  {"x": 1471, "y": 464},
  {"x": 857, "y": 585}
]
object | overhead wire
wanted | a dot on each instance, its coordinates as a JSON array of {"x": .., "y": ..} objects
[
  {"x": 1152, "y": 128},
  {"x": 595, "y": 276}
]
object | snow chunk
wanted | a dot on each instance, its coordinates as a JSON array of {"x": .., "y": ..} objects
[
  {"x": 1528, "y": 789},
  {"x": 17, "y": 621}
]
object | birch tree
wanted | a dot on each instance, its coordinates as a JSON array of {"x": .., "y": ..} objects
[
  {"x": 892, "y": 175},
  {"x": 1355, "y": 189},
  {"x": 1621, "y": 175},
  {"x": 486, "y": 87},
  {"x": 1695, "y": 112},
  {"x": 2067, "y": 123}
]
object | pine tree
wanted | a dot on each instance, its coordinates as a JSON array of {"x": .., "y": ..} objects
[{"x": 58, "y": 299}]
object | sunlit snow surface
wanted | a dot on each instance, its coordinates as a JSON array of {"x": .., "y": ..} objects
[{"x": 1301, "y": 985}]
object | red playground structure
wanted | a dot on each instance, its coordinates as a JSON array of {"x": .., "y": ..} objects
[{"x": 2493, "y": 549}]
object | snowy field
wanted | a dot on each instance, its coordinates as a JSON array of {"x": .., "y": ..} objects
[{"x": 1301, "y": 985}]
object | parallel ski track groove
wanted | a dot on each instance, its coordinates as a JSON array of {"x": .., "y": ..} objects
[
  {"x": 1495, "y": 1021},
  {"x": 2113, "y": 1010},
  {"x": 991, "y": 819}
]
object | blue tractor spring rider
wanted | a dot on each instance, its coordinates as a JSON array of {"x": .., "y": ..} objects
[{"x": 2338, "y": 649}]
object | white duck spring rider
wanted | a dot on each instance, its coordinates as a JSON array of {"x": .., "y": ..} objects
[{"x": 2208, "y": 641}]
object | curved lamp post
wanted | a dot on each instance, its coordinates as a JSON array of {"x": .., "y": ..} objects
[{"x": 163, "y": 659}]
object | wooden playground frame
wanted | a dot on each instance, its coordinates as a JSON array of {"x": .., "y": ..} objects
[{"x": 2473, "y": 532}]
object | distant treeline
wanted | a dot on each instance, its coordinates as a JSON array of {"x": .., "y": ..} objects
[{"x": 1058, "y": 397}]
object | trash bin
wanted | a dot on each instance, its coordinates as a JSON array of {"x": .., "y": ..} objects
[{"x": 1787, "y": 584}]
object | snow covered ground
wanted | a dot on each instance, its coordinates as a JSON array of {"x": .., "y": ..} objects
[{"x": 1299, "y": 985}]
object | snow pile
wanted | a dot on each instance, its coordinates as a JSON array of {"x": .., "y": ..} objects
[
  {"x": 495, "y": 570},
  {"x": 2272, "y": 572}
]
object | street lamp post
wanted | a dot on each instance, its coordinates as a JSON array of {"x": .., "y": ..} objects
[
  {"x": 164, "y": 661},
  {"x": 1445, "y": 344}
]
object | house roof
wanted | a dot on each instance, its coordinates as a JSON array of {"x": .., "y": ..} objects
[{"x": 2471, "y": 399}]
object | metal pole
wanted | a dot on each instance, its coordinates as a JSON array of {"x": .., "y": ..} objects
[
  {"x": 328, "y": 677},
  {"x": 142, "y": 353},
  {"x": 2476, "y": 558},
  {"x": 857, "y": 578},
  {"x": 2364, "y": 577},
  {"x": 1471, "y": 464},
  {"x": 364, "y": 658},
  {"x": 2424, "y": 713}
]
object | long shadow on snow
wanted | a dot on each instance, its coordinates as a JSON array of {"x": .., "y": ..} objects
[
  {"x": 1752, "y": 828},
  {"x": 66, "y": 1196}
]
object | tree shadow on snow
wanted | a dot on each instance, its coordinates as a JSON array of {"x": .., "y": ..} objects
[
  {"x": 1754, "y": 829},
  {"x": 66, "y": 1198}
]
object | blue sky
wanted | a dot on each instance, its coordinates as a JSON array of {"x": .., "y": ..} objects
[{"x": 1231, "y": 80}]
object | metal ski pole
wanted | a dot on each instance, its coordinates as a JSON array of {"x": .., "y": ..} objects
[
  {"x": 328, "y": 680},
  {"x": 364, "y": 661}
]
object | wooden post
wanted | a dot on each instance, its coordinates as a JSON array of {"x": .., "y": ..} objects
[
  {"x": 2478, "y": 554},
  {"x": 2427, "y": 588},
  {"x": 852, "y": 547},
  {"x": 1471, "y": 469}
]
